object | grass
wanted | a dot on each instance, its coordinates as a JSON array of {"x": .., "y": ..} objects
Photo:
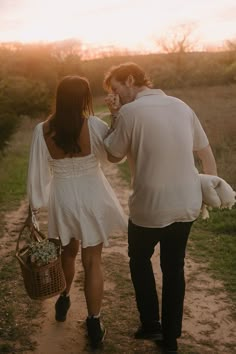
[
  {"x": 17, "y": 311},
  {"x": 99, "y": 105},
  {"x": 216, "y": 108},
  {"x": 13, "y": 166},
  {"x": 212, "y": 241}
]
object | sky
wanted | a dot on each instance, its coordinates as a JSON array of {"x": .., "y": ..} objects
[{"x": 131, "y": 24}]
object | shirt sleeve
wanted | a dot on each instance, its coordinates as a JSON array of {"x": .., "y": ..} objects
[
  {"x": 99, "y": 131},
  {"x": 200, "y": 139},
  {"x": 118, "y": 142},
  {"x": 39, "y": 175}
]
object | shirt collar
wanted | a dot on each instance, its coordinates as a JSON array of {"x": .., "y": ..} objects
[{"x": 149, "y": 92}]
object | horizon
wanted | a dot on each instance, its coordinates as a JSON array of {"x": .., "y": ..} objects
[
  {"x": 133, "y": 25},
  {"x": 73, "y": 46}
]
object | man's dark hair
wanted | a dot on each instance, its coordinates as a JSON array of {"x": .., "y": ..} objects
[{"x": 123, "y": 71}]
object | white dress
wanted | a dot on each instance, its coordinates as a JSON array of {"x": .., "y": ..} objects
[{"x": 81, "y": 203}]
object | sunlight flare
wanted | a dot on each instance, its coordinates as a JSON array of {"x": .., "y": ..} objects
[{"x": 128, "y": 24}]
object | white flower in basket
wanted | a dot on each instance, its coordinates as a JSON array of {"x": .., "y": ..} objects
[{"x": 43, "y": 252}]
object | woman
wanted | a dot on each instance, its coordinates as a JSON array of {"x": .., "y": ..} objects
[{"x": 65, "y": 175}]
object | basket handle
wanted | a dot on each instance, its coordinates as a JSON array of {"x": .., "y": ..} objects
[
  {"x": 21, "y": 261},
  {"x": 34, "y": 235}
]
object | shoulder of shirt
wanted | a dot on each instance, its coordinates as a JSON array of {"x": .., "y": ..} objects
[
  {"x": 126, "y": 108},
  {"x": 178, "y": 101},
  {"x": 129, "y": 109},
  {"x": 192, "y": 115}
]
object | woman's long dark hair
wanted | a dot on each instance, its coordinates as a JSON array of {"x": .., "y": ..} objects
[{"x": 73, "y": 105}]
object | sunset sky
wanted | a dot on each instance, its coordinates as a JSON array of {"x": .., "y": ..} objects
[{"x": 132, "y": 24}]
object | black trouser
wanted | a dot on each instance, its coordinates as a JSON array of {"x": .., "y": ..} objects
[{"x": 173, "y": 241}]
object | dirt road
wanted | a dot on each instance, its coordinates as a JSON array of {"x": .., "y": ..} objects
[{"x": 207, "y": 328}]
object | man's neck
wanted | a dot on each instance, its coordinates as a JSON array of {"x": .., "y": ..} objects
[{"x": 140, "y": 89}]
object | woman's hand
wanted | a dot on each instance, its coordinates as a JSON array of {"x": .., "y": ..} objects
[
  {"x": 31, "y": 220},
  {"x": 113, "y": 102}
]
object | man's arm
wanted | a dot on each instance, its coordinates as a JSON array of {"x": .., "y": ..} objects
[{"x": 207, "y": 160}]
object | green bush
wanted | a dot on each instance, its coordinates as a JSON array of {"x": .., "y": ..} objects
[
  {"x": 8, "y": 124},
  {"x": 20, "y": 97},
  {"x": 24, "y": 97}
]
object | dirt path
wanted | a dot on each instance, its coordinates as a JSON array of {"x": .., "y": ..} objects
[{"x": 207, "y": 328}]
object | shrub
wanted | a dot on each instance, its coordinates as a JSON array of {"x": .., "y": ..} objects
[{"x": 8, "y": 124}]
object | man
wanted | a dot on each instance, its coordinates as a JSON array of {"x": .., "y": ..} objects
[{"x": 158, "y": 134}]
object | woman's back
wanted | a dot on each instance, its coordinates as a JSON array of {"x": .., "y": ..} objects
[
  {"x": 78, "y": 190},
  {"x": 57, "y": 153}
]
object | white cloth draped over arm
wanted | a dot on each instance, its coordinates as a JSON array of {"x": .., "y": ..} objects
[
  {"x": 216, "y": 193},
  {"x": 39, "y": 176}
]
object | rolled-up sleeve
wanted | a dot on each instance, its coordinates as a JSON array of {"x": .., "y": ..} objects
[{"x": 39, "y": 175}]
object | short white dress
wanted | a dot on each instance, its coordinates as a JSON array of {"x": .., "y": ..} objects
[{"x": 81, "y": 203}]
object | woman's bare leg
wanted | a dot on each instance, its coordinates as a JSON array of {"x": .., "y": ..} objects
[
  {"x": 93, "y": 284},
  {"x": 68, "y": 262}
]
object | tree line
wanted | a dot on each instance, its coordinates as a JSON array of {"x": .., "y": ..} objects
[{"x": 29, "y": 74}]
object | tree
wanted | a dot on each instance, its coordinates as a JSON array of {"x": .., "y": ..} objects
[
  {"x": 178, "y": 39},
  {"x": 231, "y": 45}
]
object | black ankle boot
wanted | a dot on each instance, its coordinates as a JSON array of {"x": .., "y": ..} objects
[
  {"x": 96, "y": 331},
  {"x": 62, "y": 306}
]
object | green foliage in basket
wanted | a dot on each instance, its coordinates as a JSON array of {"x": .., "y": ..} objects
[{"x": 43, "y": 253}]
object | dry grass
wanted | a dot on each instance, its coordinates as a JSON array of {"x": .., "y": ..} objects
[{"x": 216, "y": 109}]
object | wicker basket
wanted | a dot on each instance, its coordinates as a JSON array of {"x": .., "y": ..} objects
[{"x": 41, "y": 282}]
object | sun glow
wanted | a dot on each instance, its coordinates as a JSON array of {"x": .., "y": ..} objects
[{"x": 131, "y": 24}]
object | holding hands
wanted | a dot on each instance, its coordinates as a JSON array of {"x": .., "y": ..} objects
[{"x": 113, "y": 102}]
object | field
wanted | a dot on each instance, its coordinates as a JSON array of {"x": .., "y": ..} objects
[
  {"x": 216, "y": 109},
  {"x": 212, "y": 241}
]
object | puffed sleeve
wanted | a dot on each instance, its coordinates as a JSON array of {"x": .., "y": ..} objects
[
  {"x": 118, "y": 142},
  {"x": 39, "y": 175},
  {"x": 99, "y": 130}
]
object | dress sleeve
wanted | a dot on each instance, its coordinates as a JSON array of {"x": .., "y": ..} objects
[
  {"x": 39, "y": 175},
  {"x": 118, "y": 142},
  {"x": 99, "y": 131}
]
